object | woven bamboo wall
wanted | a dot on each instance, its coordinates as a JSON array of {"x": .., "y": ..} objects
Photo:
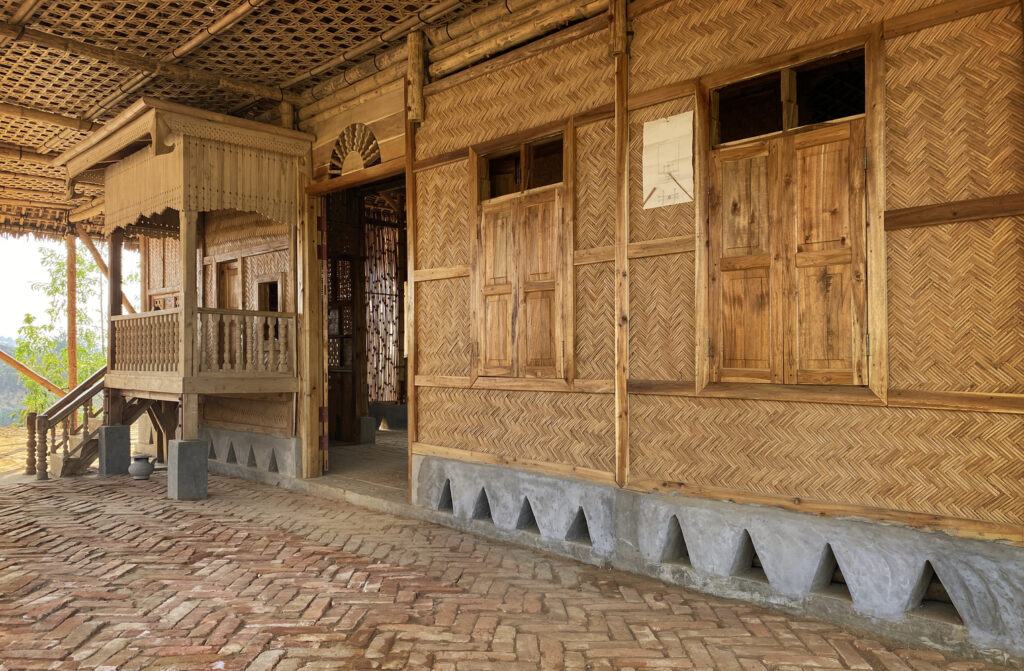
[
  {"x": 889, "y": 458},
  {"x": 720, "y": 34},
  {"x": 443, "y": 227},
  {"x": 659, "y": 222},
  {"x": 595, "y": 185},
  {"x": 661, "y": 322},
  {"x": 574, "y": 77},
  {"x": 563, "y": 428},
  {"x": 595, "y": 321},
  {"x": 955, "y": 110},
  {"x": 443, "y": 327},
  {"x": 956, "y": 307},
  {"x": 267, "y": 267},
  {"x": 228, "y": 231}
]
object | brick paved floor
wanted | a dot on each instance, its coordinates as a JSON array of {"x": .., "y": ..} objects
[{"x": 108, "y": 574}]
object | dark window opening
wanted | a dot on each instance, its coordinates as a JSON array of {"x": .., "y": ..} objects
[
  {"x": 268, "y": 297},
  {"x": 531, "y": 165},
  {"x": 823, "y": 90},
  {"x": 830, "y": 89},
  {"x": 750, "y": 108}
]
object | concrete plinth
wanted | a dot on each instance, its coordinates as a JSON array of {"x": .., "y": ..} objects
[
  {"x": 367, "y": 430},
  {"x": 186, "y": 469},
  {"x": 115, "y": 450}
]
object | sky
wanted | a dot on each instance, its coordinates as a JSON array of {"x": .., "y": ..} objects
[{"x": 20, "y": 267}]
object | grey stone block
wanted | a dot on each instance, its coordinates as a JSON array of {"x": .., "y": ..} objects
[
  {"x": 367, "y": 430},
  {"x": 186, "y": 469},
  {"x": 115, "y": 450}
]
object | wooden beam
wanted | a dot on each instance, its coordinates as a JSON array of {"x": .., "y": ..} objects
[
  {"x": 31, "y": 374},
  {"x": 33, "y": 195},
  {"x": 18, "y": 153},
  {"x": 187, "y": 334},
  {"x": 618, "y": 22},
  {"x": 23, "y": 202},
  {"x": 56, "y": 182},
  {"x": 20, "y": 112},
  {"x": 93, "y": 208},
  {"x": 993, "y": 207},
  {"x": 386, "y": 169},
  {"x": 156, "y": 66},
  {"x": 72, "y": 280},
  {"x": 417, "y": 76},
  {"x": 87, "y": 240},
  {"x": 939, "y": 14}
]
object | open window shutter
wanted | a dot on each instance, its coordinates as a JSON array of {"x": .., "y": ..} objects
[
  {"x": 497, "y": 355},
  {"x": 540, "y": 329},
  {"x": 829, "y": 278},
  {"x": 742, "y": 316}
]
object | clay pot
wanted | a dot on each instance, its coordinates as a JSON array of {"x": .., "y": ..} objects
[{"x": 140, "y": 468}]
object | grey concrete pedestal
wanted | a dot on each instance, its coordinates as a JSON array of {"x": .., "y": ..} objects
[
  {"x": 186, "y": 469},
  {"x": 367, "y": 430},
  {"x": 115, "y": 450}
]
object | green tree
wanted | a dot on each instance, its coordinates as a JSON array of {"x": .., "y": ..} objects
[{"x": 44, "y": 347}]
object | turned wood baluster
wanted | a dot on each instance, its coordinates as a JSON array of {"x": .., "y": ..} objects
[
  {"x": 261, "y": 329},
  {"x": 30, "y": 446},
  {"x": 41, "y": 473},
  {"x": 67, "y": 436},
  {"x": 238, "y": 344},
  {"x": 282, "y": 359},
  {"x": 273, "y": 354},
  {"x": 253, "y": 341},
  {"x": 85, "y": 419}
]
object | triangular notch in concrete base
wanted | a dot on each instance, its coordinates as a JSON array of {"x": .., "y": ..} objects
[
  {"x": 675, "y": 550},
  {"x": 579, "y": 530}
]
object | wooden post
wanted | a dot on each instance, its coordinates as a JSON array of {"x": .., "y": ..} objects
[
  {"x": 310, "y": 296},
  {"x": 410, "y": 267},
  {"x": 287, "y": 115},
  {"x": 621, "y": 55},
  {"x": 30, "y": 452},
  {"x": 86, "y": 239},
  {"x": 189, "y": 224},
  {"x": 72, "y": 269},
  {"x": 417, "y": 75},
  {"x": 115, "y": 400}
]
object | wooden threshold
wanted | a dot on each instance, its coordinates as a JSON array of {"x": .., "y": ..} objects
[{"x": 546, "y": 467}]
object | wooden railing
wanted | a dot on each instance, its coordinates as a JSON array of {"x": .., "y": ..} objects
[
  {"x": 146, "y": 342},
  {"x": 244, "y": 341},
  {"x": 66, "y": 427}
]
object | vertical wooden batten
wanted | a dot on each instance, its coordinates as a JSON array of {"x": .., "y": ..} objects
[
  {"x": 620, "y": 52},
  {"x": 410, "y": 313},
  {"x": 877, "y": 346}
]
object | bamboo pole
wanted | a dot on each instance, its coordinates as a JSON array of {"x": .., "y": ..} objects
[
  {"x": 91, "y": 209},
  {"x": 484, "y": 31},
  {"x": 72, "y": 268},
  {"x": 56, "y": 182},
  {"x": 22, "y": 202},
  {"x": 31, "y": 194},
  {"x": 287, "y": 115},
  {"x": 143, "y": 63},
  {"x": 417, "y": 76},
  {"x": 350, "y": 103},
  {"x": 394, "y": 57},
  {"x": 16, "y": 153},
  {"x": 31, "y": 374},
  {"x": 21, "y": 112},
  {"x": 87, "y": 240},
  {"x": 370, "y": 85},
  {"x": 517, "y": 34}
]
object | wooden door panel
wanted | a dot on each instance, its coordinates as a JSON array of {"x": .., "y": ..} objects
[
  {"x": 539, "y": 355},
  {"x": 746, "y": 320},
  {"x": 744, "y": 213},
  {"x": 823, "y": 196},
  {"x": 540, "y": 329},
  {"x": 497, "y": 351}
]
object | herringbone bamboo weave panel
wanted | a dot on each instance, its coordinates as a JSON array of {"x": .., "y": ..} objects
[
  {"x": 661, "y": 318},
  {"x": 956, "y": 464},
  {"x": 443, "y": 327},
  {"x": 266, "y": 267},
  {"x": 683, "y": 40},
  {"x": 595, "y": 185},
  {"x": 561, "y": 428},
  {"x": 271, "y": 413},
  {"x": 443, "y": 227},
  {"x": 955, "y": 111},
  {"x": 554, "y": 84},
  {"x": 956, "y": 307},
  {"x": 660, "y": 222},
  {"x": 595, "y": 321}
]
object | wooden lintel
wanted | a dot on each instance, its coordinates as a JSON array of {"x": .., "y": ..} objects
[
  {"x": 939, "y": 14},
  {"x": 448, "y": 273},
  {"x": 31, "y": 374},
  {"x": 440, "y": 159},
  {"x": 994, "y": 207},
  {"x": 663, "y": 94},
  {"x": 395, "y": 166}
]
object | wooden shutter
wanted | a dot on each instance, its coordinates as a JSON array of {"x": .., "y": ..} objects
[
  {"x": 539, "y": 332},
  {"x": 830, "y": 315},
  {"x": 742, "y": 319},
  {"x": 497, "y": 325}
]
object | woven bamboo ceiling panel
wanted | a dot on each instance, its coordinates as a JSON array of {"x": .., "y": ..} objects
[{"x": 270, "y": 42}]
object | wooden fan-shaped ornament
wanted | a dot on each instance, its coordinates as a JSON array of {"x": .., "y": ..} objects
[{"x": 355, "y": 149}]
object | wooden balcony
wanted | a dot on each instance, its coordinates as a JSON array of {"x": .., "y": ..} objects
[{"x": 233, "y": 352}]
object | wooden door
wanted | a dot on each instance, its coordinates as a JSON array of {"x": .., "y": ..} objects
[
  {"x": 497, "y": 354},
  {"x": 539, "y": 329},
  {"x": 829, "y": 319}
]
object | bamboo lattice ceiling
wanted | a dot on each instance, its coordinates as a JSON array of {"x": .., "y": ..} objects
[{"x": 268, "y": 42}]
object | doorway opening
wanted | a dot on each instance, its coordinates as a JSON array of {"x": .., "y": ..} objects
[{"x": 365, "y": 277}]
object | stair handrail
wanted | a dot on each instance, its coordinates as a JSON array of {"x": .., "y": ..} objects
[
  {"x": 78, "y": 399},
  {"x": 73, "y": 396}
]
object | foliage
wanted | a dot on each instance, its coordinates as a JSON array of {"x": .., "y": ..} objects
[
  {"x": 43, "y": 347},
  {"x": 11, "y": 390}
]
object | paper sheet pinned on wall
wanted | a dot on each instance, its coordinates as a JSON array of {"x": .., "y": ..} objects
[{"x": 668, "y": 161}]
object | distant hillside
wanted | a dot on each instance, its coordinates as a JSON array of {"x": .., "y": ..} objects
[{"x": 11, "y": 391}]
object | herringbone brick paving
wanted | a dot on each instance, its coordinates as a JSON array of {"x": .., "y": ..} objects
[{"x": 108, "y": 574}]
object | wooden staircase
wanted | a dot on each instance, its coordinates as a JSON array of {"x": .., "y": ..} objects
[{"x": 67, "y": 434}]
